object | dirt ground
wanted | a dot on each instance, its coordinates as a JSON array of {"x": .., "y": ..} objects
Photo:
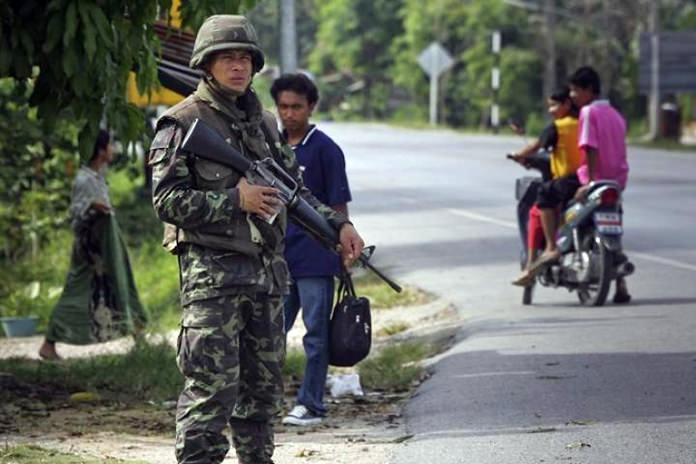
[{"x": 359, "y": 429}]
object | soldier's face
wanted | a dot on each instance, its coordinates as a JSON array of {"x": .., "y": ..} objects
[
  {"x": 294, "y": 110},
  {"x": 233, "y": 69}
]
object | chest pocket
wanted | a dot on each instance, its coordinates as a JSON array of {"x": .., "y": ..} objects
[{"x": 213, "y": 176}]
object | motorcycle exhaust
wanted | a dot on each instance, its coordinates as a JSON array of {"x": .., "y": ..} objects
[{"x": 625, "y": 269}]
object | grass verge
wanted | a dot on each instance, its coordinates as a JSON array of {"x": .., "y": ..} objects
[
  {"x": 37, "y": 455},
  {"x": 148, "y": 372},
  {"x": 381, "y": 296},
  {"x": 394, "y": 367}
]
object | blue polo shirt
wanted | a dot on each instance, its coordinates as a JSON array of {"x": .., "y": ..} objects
[{"x": 324, "y": 174}]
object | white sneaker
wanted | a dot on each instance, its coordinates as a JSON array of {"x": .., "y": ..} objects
[{"x": 302, "y": 416}]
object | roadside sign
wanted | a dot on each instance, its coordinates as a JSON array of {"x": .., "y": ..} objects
[
  {"x": 435, "y": 59},
  {"x": 677, "y": 62}
]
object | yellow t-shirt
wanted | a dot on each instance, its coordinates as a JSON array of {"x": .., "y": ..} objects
[{"x": 566, "y": 157}]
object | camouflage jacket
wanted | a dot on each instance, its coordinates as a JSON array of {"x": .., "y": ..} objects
[{"x": 222, "y": 249}]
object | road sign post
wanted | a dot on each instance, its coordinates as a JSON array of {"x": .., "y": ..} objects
[
  {"x": 434, "y": 60},
  {"x": 495, "y": 81}
]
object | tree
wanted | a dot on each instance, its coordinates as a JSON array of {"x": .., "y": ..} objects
[
  {"x": 354, "y": 38},
  {"x": 64, "y": 66},
  {"x": 465, "y": 28},
  {"x": 79, "y": 54},
  {"x": 266, "y": 19}
]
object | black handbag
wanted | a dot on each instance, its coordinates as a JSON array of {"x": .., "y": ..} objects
[{"x": 350, "y": 329}]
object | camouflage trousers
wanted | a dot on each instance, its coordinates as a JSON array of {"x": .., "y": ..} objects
[{"x": 230, "y": 351}]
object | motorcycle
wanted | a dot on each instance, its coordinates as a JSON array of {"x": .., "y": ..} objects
[{"x": 589, "y": 238}]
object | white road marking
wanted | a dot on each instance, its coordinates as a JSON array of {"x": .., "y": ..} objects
[
  {"x": 492, "y": 374},
  {"x": 660, "y": 260},
  {"x": 513, "y": 225},
  {"x": 482, "y": 218}
]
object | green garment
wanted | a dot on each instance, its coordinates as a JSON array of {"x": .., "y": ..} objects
[{"x": 100, "y": 301}]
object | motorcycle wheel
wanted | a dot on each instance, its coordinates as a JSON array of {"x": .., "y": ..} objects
[
  {"x": 527, "y": 295},
  {"x": 595, "y": 293}
]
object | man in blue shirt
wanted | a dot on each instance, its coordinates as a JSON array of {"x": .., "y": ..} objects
[{"x": 312, "y": 267}]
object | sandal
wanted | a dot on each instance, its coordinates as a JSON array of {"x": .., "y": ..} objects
[{"x": 525, "y": 279}]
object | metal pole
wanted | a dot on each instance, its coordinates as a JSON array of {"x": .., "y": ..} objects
[
  {"x": 434, "y": 77},
  {"x": 288, "y": 37},
  {"x": 550, "y": 45},
  {"x": 654, "y": 104}
]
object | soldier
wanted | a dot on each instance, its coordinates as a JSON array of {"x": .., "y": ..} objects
[{"x": 233, "y": 274}]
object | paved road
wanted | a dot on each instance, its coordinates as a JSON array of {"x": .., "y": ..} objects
[{"x": 554, "y": 382}]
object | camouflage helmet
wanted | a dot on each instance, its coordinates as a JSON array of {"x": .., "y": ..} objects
[{"x": 226, "y": 32}]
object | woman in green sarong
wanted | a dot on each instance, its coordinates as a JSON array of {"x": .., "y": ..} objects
[{"x": 99, "y": 301}]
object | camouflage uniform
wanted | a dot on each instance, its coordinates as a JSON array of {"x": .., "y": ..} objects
[{"x": 233, "y": 274}]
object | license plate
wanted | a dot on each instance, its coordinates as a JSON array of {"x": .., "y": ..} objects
[{"x": 608, "y": 223}]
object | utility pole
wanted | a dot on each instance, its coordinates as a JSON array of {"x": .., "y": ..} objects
[
  {"x": 288, "y": 37},
  {"x": 550, "y": 45},
  {"x": 654, "y": 103},
  {"x": 495, "y": 80}
]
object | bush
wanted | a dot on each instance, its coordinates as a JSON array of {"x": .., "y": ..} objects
[
  {"x": 394, "y": 367},
  {"x": 36, "y": 170}
]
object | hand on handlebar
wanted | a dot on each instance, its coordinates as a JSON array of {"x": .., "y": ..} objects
[{"x": 516, "y": 157}]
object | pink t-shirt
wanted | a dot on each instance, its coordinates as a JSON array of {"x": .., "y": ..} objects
[{"x": 601, "y": 127}]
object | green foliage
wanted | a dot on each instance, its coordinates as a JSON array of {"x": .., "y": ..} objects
[
  {"x": 265, "y": 17},
  {"x": 382, "y": 296},
  {"x": 84, "y": 50},
  {"x": 394, "y": 367},
  {"x": 353, "y": 40},
  {"x": 193, "y": 13},
  {"x": 156, "y": 270},
  {"x": 394, "y": 328},
  {"x": 464, "y": 29},
  {"x": 36, "y": 169},
  {"x": 64, "y": 66},
  {"x": 294, "y": 365}
]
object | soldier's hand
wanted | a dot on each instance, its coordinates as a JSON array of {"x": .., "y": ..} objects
[
  {"x": 257, "y": 199},
  {"x": 351, "y": 245}
]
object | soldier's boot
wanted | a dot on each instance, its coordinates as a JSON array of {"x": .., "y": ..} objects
[{"x": 253, "y": 441}]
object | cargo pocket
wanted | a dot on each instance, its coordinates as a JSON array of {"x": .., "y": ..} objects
[
  {"x": 208, "y": 351},
  {"x": 234, "y": 269},
  {"x": 214, "y": 176},
  {"x": 197, "y": 346}
]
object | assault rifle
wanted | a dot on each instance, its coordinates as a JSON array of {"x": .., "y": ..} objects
[{"x": 203, "y": 141}]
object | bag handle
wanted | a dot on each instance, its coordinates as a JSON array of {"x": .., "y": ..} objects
[{"x": 345, "y": 286}]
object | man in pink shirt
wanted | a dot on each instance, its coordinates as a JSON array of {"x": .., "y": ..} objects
[
  {"x": 602, "y": 133},
  {"x": 602, "y": 140}
]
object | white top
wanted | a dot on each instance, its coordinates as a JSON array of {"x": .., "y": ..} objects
[{"x": 89, "y": 187}]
